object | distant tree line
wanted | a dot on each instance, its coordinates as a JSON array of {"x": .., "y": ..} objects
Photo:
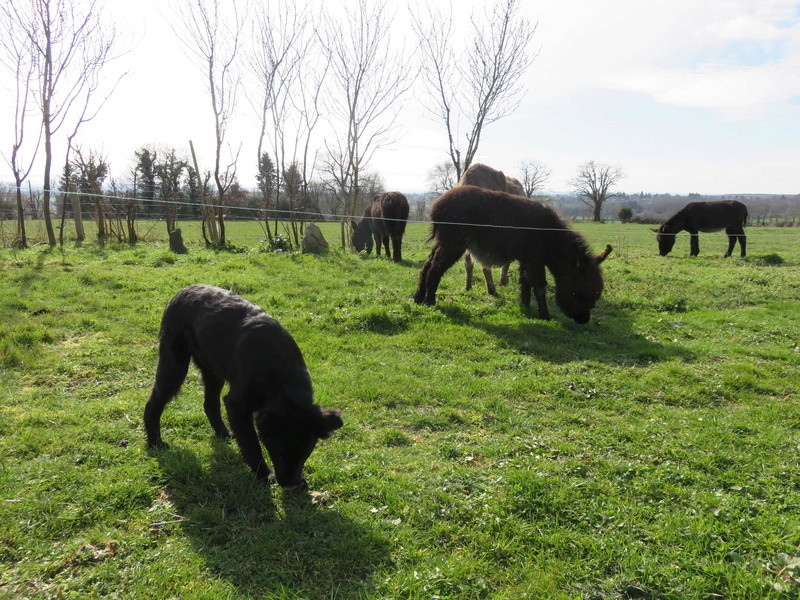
[{"x": 653, "y": 208}]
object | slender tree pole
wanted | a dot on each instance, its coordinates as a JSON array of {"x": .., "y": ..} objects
[
  {"x": 18, "y": 59},
  {"x": 369, "y": 77},
  {"x": 213, "y": 38},
  {"x": 69, "y": 46}
]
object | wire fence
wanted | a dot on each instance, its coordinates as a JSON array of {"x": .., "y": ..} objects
[{"x": 115, "y": 208}]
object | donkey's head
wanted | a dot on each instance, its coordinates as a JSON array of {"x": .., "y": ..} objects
[
  {"x": 361, "y": 235},
  {"x": 578, "y": 290},
  {"x": 665, "y": 239}
]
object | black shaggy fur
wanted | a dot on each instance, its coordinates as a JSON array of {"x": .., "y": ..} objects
[
  {"x": 232, "y": 340},
  {"x": 498, "y": 228},
  {"x": 384, "y": 220},
  {"x": 705, "y": 216}
]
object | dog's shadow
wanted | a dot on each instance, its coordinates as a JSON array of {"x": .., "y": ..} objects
[{"x": 261, "y": 539}]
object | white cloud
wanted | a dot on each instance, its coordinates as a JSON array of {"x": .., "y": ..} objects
[
  {"x": 740, "y": 57},
  {"x": 743, "y": 28},
  {"x": 739, "y": 92}
]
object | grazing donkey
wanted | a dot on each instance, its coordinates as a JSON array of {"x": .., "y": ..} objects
[
  {"x": 488, "y": 178},
  {"x": 384, "y": 219},
  {"x": 231, "y": 339},
  {"x": 705, "y": 217},
  {"x": 497, "y": 228}
]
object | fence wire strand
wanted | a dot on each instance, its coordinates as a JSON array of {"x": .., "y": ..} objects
[{"x": 288, "y": 214}]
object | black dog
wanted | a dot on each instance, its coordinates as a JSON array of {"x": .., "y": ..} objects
[{"x": 231, "y": 339}]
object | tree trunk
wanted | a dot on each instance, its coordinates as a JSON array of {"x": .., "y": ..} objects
[
  {"x": 80, "y": 234},
  {"x": 221, "y": 222},
  {"x": 22, "y": 239},
  {"x": 48, "y": 222},
  {"x": 102, "y": 234}
]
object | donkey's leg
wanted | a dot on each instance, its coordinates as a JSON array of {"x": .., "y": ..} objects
[
  {"x": 504, "y": 274},
  {"x": 468, "y": 268},
  {"x": 386, "y": 246},
  {"x": 442, "y": 258},
  {"x": 694, "y": 243},
  {"x": 533, "y": 276},
  {"x": 487, "y": 276},
  {"x": 173, "y": 364},
  {"x": 731, "y": 242},
  {"x": 397, "y": 248},
  {"x": 524, "y": 288},
  {"x": 422, "y": 285},
  {"x": 736, "y": 232},
  {"x": 212, "y": 386}
]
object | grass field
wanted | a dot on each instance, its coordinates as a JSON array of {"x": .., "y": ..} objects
[{"x": 653, "y": 453}]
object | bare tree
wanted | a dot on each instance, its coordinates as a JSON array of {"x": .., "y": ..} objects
[
  {"x": 369, "y": 78},
  {"x": 69, "y": 46},
  {"x": 290, "y": 68},
  {"x": 213, "y": 38},
  {"x": 534, "y": 175},
  {"x": 442, "y": 177},
  {"x": 18, "y": 59},
  {"x": 593, "y": 184},
  {"x": 478, "y": 84}
]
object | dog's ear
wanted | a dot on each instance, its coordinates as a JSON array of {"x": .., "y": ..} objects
[{"x": 328, "y": 421}]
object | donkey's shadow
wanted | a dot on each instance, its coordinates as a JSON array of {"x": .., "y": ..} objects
[
  {"x": 572, "y": 342},
  {"x": 261, "y": 539}
]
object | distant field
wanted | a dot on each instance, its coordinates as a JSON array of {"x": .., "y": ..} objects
[
  {"x": 653, "y": 453},
  {"x": 252, "y": 235}
]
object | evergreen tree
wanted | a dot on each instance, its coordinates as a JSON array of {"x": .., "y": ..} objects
[
  {"x": 266, "y": 178},
  {"x": 146, "y": 167}
]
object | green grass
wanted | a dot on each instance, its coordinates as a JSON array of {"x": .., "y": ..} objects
[{"x": 653, "y": 453}]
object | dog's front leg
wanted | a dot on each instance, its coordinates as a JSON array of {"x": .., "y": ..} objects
[{"x": 244, "y": 431}]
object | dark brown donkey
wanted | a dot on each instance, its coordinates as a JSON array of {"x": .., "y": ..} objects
[
  {"x": 705, "y": 216},
  {"x": 498, "y": 228},
  {"x": 384, "y": 219},
  {"x": 488, "y": 178}
]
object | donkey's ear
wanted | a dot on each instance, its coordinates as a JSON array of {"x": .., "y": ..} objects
[
  {"x": 352, "y": 224},
  {"x": 604, "y": 254},
  {"x": 654, "y": 230},
  {"x": 328, "y": 421}
]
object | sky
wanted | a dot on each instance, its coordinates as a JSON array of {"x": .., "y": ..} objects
[{"x": 683, "y": 96}]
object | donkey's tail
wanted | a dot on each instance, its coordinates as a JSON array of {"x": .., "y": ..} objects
[{"x": 433, "y": 232}]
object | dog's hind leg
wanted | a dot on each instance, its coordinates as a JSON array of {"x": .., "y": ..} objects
[
  {"x": 212, "y": 386},
  {"x": 173, "y": 364}
]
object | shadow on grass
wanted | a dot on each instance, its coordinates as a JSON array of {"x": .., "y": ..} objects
[
  {"x": 607, "y": 338},
  {"x": 264, "y": 541}
]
